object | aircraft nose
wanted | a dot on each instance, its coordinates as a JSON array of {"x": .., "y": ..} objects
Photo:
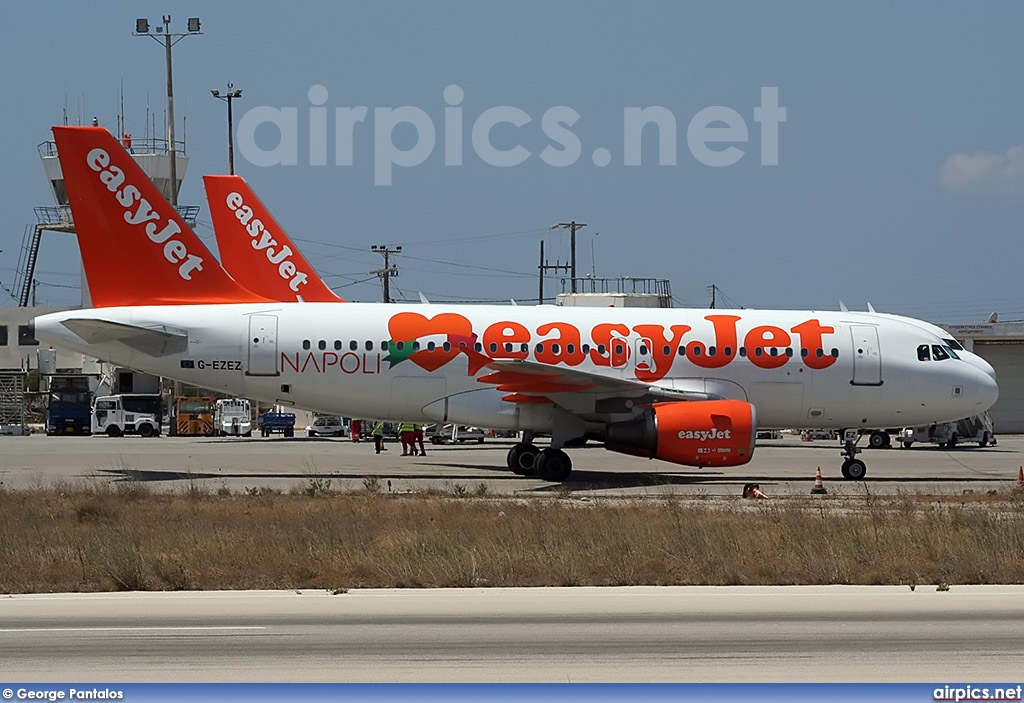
[
  {"x": 986, "y": 367},
  {"x": 988, "y": 390}
]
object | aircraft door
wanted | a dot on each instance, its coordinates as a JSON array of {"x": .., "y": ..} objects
[
  {"x": 867, "y": 358},
  {"x": 262, "y": 346}
]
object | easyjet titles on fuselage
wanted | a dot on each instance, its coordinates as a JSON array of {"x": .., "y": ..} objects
[
  {"x": 174, "y": 250},
  {"x": 263, "y": 240},
  {"x": 604, "y": 345}
]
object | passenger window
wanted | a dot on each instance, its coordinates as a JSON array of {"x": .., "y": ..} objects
[
  {"x": 478, "y": 347},
  {"x": 682, "y": 351},
  {"x": 743, "y": 351},
  {"x": 305, "y": 344},
  {"x": 494, "y": 347},
  {"x": 711, "y": 351},
  {"x": 400, "y": 346},
  {"x": 585, "y": 348},
  {"x": 384, "y": 345},
  {"x": 789, "y": 352},
  {"x": 431, "y": 346},
  {"x": 447, "y": 346},
  {"x": 602, "y": 349},
  {"x": 539, "y": 348},
  {"x": 924, "y": 353},
  {"x": 322, "y": 344},
  {"x": 369, "y": 345},
  {"x": 835, "y": 353},
  {"x": 508, "y": 347},
  {"x": 620, "y": 349},
  {"x": 643, "y": 349},
  {"x": 728, "y": 351},
  {"x": 569, "y": 349},
  {"x": 938, "y": 353},
  {"x": 353, "y": 345},
  {"x": 337, "y": 345},
  {"x": 758, "y": 351},
  {"x": 415, "y": 346}
]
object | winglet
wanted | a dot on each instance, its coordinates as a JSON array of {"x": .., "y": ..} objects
[
  {"x": 136, "y": 249},
  {"x": 255, "y": 249}
]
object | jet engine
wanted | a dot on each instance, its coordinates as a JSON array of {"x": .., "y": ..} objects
[{"x": 693, "y": 433}]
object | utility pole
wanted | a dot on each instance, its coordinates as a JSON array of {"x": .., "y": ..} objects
[
  {"x": 165, "y": 36},
  {"x": 572, "y": 227},
  {"x": 544, "y": 267},
  {"x": 230, "y": 95},
  {"x": 388, "y": 271}
]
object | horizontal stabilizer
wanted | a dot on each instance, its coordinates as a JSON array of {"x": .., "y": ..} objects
[{"x": 153, "y": 341}]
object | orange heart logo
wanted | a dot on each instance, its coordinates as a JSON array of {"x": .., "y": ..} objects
[{"x": 410, "y": 326}]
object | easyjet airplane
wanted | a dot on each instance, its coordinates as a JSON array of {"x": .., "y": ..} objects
[
  {"x": 254, "y": 249},
  {"x": 686, "y": 386}
]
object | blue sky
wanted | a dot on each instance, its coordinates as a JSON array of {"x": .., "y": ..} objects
[{"x": 900, "y": 178}]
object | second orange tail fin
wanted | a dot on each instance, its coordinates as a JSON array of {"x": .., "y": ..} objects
[
  {"x": 136, "y": 249},
  {"x": 255, "y": 249}
]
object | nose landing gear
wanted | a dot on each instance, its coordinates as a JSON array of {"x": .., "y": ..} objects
[{"x": 853, "y": 468}]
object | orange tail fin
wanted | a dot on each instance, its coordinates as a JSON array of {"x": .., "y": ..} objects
[
  {"x": 255, "y": 249},
  {"x": 136, "y": 249}
]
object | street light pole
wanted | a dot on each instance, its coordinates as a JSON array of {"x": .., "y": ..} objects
[
  {"x": 230, "y": 95},
  {"x": 169, "y": 39}
]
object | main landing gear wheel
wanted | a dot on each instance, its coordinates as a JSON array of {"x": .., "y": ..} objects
[
  {"x": 553, "y": 465},
  {"x": 854, "y": 469},
  {"x": 878, "y": 440},
  {"x": 522, "y": 458}
]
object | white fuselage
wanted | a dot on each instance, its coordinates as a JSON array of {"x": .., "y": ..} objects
[{"x": 798, "y": 368}]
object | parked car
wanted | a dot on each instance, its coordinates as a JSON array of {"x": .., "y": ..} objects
[
  {"x": 450, "y": 434},
  {"x": 327, "y": 426}
]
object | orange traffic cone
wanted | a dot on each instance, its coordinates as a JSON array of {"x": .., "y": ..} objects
[
  {"x": 819, "y": 488},
  {"x": 752, "y": 490}
]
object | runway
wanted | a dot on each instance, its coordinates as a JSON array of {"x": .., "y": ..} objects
[
  {"x": 782, "y": 467},
  {"x": 639, "y": 634}
]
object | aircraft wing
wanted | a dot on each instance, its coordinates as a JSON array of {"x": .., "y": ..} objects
[
  {"x": 583, "y": 392},
  {"x": 154, "y": 341}
]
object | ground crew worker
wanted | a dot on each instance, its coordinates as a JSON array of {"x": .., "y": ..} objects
[
  {"x": 405, "y": 433},
  {"x": 356, "y": 426},
  {"x": 378, "y": 436},
  {"x": 417, "y": 435}
]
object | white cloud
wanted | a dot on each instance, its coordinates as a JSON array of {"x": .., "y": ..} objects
[{"x": 1001, "y": 174}]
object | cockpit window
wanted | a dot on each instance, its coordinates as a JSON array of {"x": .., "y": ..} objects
[
  {"x": 924, "y": 353},
  {"x": 939, "y": 353},
  {"x": 953, "y": 344},
  {"x": 952, "y": 353}
]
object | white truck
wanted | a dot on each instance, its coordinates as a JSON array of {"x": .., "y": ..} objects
[
  {"x": 128, "y": 413},
  {"x": 232, "y": 417},
  {"x": 976, "y": 428}
]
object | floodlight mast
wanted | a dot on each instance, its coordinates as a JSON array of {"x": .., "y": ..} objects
[
  {"x": 228, "y": 97},
  {"x": 169, "y": 39}
]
